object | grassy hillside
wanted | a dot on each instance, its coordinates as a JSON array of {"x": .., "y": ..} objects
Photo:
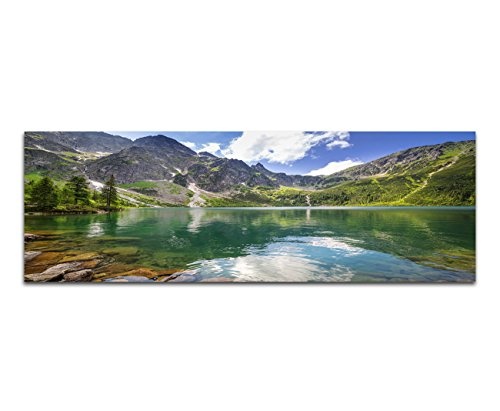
[
  {"x": 443, "y": 175},
  {"x": 162, "y": 191}
]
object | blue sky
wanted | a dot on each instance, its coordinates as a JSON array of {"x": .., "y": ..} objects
[{"x": 304, "y": 152}]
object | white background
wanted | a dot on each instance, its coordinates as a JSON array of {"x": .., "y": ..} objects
[{"x": 233, "y": 65}]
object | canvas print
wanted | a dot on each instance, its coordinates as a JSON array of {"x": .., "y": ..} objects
[{"x": 249, "y": 207}]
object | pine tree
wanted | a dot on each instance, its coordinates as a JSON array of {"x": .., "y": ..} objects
[
  {"x": 78, "y": 186},
  {"x": 44, "y": 194},
  {"x": 66, "y": 195},
  {"x": 109, "y": 192}
]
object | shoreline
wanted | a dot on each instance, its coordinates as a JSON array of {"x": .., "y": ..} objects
[{"x": 322, "y": 207}]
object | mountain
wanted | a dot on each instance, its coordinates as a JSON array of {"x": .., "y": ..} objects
[
  {"x": 282, "y": 179},
  {"x": 163, "y": 158},
  {"x": 165, "y": 170},
  {"x": 441, "y": 174},
  {"x": 93, "y": 142},
  {"x": 222, "y": 174},
  {"x": 149, "y": 158},
  {"x": 37, "y": 141},
  {"x": 410, "y": 161}
]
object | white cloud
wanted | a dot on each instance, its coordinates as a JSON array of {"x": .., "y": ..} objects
[
  {"x": 333, "y": 167},
  {"x": 280, "y": 146},
  {"x": 339, "y": 143},
  {"x": 189, "y": 144},
  {"x": 212, "y": 148}
]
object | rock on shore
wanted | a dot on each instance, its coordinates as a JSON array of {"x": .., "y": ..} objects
[
  {"x": 43, "y": 264},
  {"x": 29, "y": 255},
  {"x": 30, "y": 237},
  {"x": 55, "y": 273}
]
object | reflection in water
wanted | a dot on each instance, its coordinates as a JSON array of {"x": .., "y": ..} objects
[
  {"x": 196, "y": 215},
  {"x": 95, "y": 229},
  {"x": 284, "y": 261},
  {"x": 317, "y": 259},
  {"x": 283, "y": 244}
]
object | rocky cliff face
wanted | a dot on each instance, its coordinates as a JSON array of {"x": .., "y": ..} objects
[
  {"x": 282, "y": 179},
  {"x": 149, "y": 158},
  {"x": 39, "y": 142},
  {"x": 163, "y": 158},
  {"x": 129, "y": 165},
  {"x": 222, "y": 174}
]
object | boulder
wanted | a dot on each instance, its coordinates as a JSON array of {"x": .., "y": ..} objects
[
  {"x": 30, "y": 237},
  {"x": 78, "y": 276},
  {"x": 54, "y": 273}
]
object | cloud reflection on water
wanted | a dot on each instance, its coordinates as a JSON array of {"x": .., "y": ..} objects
[{"x": 286, "y": 260}]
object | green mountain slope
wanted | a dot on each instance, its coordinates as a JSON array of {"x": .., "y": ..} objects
[{"x": 441, "y": 175}]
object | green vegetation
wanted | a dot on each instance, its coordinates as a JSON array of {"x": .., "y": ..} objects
[
  {"x": 454, "y": 185},
  {"x": 441, "y": 175},
  {"x": 109, "y": 192},
  {"x": 447, "y": 181},
  {"x": 161, "y": 193},
  {"x": 139, "y": 185},
  {"x": 229, "y": 202},
  {"x": 78, "y": 187},
  {"x": 44, "y": 194},
  {"x": 141, "y": 200},
  {"x": 32, "y": 177}
]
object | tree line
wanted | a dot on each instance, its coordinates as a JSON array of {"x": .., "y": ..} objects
[{"x": 74, "y": 195}]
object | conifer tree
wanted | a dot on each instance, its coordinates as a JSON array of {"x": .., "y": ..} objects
[
  {"x": 109, "y": 192},
  {"x": 78, "y": 186},
  {"x": 44, "y": 194}
]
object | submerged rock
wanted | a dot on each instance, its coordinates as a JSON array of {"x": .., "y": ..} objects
[
  {"x": 79, "y": 257},
  {"x": 46, "y": 259},
  {"x": 128, "y": 279},
  {"x": 183, "y": 278},
  {"x": 29, "y": 255},
  {"x": 114, "y": 239},
  {"x": 141, "y": 272},
  {"x": 217, "y": 280},
  {"x": 54, "y": 273},
  {"x": 92, "y": 263},
  {"x": 122, "y": 251}
]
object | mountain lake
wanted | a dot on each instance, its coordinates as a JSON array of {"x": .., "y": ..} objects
[{"x": 324, "y": 244}]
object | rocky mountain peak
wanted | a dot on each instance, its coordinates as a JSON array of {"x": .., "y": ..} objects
[
  {"x": 259, "y": 167},
  {"x": 163, "y": 143}
]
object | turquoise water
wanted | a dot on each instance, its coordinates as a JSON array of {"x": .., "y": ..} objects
[{"x": 280, "y": 244}]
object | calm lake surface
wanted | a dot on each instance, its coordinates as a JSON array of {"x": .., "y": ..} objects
[{"x": 278, "y": 244}]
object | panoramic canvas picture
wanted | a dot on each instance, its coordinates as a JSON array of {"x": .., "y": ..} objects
[{"x": 249, "y": 207}]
